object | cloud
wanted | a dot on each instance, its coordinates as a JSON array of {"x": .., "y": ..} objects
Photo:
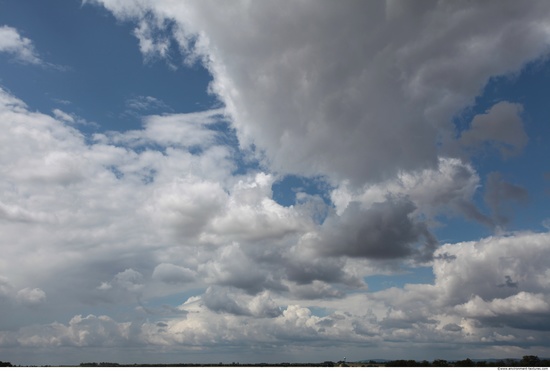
[
  {"x": 185, "y": 207},
  {"x": 464, "y": 306},
  {"x": 220, "y": 301},
  {"x": 448, "y": 189},
  {"x": 384, "y": 230},
  {"x": 129, "y": 280},
  {"x": 509, "y": 283},
  {"x": 63, "y": 116},
  {"x": 263, "y": 305},
  {"x": 152, "y": 44},
  {"x": 20, "y": 47},
  {"x": 174, "y": 130},
  {"x": 134, "y": 215},
  {"x": 80, "y": 331},
  {"x": 5, "y": 286},
  {"x": 28, "y": 296},
  {"x": 359, "y": 108},
  {"x": 252, "y": 214},
  {"x": 226, "y": 269},
  {"x": 306, "y": 268},
  {"x": 501, "y": 126},
  {"x": 517, "y": 257},
  {"x": 71, "y": 118},
  {"x": 308, "y": 286},
  {"x": 499, "y": 193},
  {"x": 523, "y": 310},
  {"x": 452, "y": 327},
  {"x": 173, "y": 274},
  {"x": 93, "y": 198},
  {"x": 146, "y": 103}
]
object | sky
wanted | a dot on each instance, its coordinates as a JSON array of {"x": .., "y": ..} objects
[{"x": 267, "y": 181}]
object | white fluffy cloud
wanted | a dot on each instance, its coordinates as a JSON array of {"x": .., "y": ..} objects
[
  {"x": 20, "y": 47},
  {"x": 127, "y": 220}
]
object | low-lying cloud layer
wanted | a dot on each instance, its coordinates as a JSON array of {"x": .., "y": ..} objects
[{"x": 460, "y": 309}]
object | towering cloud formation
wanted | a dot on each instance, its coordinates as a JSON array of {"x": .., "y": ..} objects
[{"x": 350, "y": 89}]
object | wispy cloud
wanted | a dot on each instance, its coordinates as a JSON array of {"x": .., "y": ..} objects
[
  {"x": 71, "y": 118},
  {"x": 21, "y": 48},
  {"x": 146, "y": 103}
]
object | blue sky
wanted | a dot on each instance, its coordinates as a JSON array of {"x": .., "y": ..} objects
[{"x": 222, "y": 182}]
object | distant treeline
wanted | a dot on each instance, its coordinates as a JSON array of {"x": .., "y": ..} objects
[
  {"x": 526, "y": 361},
  {"x": 234, "y": 364}
]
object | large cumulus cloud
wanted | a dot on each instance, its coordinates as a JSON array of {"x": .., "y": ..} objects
[{"x": 353, "y": 90}]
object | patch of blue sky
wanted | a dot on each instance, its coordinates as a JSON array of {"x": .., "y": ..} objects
[
  {"x": 170, "y": 301},
  {"x": 421, "y": 275},
  {"x": 320, "y": 311},
  {"x": 100, "y": 71},
  {"x": 243, "y": 159},
  {"x": 453, "y": 230},
  {"x": 530, "y": 87},
  {"x": 285, "y": 190}
]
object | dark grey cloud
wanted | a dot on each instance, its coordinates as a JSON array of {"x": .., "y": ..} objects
[
  {"x": 472, "y": 212},
  {"x": 364, "y": 328},
  {"x": 525, "y": 321},
  {"x": 447, "y": 190},
  {"x": 385, "y": 230},
  {"x": 445, "y": 256},
  {"x": 452, "y": 327},
  {"x": 236, "y": 302},
  {"x": 307, "y": 271},
  {"x": 234, "y": 267},
  {"x": 498, "y": 194},
  {"x": 217, "y": 300},
  {"x": 173, "y": 274},
  {"x": 320, "y": 290},
  {"x": 509, "y": 283}
]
